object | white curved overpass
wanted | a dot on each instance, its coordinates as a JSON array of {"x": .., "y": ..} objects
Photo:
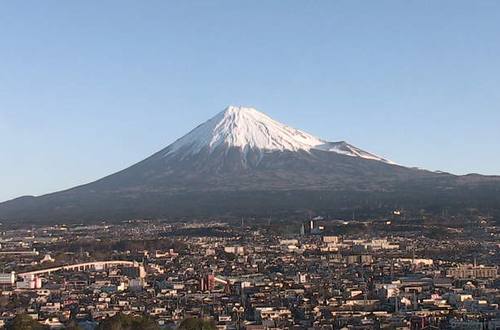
[{"x": 80, "y": 267}]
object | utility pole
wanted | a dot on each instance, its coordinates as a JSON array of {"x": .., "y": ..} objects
[
  {"x": 392, "y": 269},
  {"x": 397, "y": 303}
]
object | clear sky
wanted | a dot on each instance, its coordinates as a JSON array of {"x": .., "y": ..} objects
[{"x": 90, "y": 87}]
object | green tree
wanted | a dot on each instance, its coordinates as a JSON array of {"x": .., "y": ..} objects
[
  {"x": 15, "y": 302},
  {"x": 128, "y": 322},
  {"x": 72, "y": 327},
  {"x": 24, "y": 322},
  {"x": 193, "y": 323}
]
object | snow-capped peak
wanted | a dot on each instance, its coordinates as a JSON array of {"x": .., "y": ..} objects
[{"x": 246, "y": 128}]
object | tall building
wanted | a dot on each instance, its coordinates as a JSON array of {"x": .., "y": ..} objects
[
  {"x": 207, "y": 283},
  {"x": 134, "y": 271},
  {"x": 7, "y": 279},
  {"x": 466, "y": 271}
]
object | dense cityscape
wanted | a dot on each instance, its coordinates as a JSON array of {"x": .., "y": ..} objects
[{"x": 315, "y": 274}]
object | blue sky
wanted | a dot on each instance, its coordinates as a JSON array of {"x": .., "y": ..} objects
[{"x": 90, "y": 87}]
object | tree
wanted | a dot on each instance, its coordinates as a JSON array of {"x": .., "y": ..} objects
[
  {"x": 127, "y": 322},
  {"x": 193, "y": 323},
  {"x": 72, "y": 327},
  {"x": 24, "y": 322}
]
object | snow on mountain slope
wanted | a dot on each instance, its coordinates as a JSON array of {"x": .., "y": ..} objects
[
  {"x": 347, "y": 149},
  {"x": 247, "y": 128}
]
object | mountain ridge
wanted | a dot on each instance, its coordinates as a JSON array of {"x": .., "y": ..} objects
[{"x": 243, "y": 162}]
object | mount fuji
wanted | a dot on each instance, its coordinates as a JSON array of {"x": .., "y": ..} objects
[{"x": 242, "y": 162}]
